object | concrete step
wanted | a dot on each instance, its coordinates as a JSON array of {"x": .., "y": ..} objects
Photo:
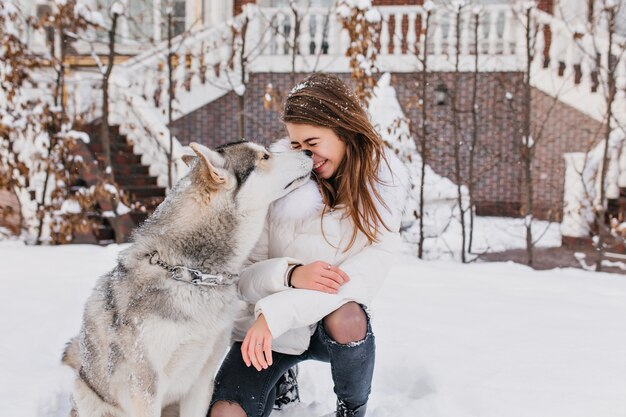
[
  {"x": 116, "y": 147},
  {"x": 145, "y": 190},
  {"x": 138, "y": 179},
  {"x": 120, "y": 170}
]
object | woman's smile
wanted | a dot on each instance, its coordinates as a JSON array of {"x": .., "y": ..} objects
[{"x": 317, "y": 167}]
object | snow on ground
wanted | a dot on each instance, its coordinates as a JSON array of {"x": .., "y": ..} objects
[
  {"x": 485, "y": 339},
  {"x": 491, "y": 234}
]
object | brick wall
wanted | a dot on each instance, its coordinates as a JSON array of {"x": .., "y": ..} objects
[{"x": 498, "y": 192}]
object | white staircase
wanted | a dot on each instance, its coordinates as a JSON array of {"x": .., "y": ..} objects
[{"x": 209, "y": 65}]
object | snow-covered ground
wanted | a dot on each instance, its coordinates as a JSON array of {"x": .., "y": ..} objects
[{"x": 453, "y": 340}]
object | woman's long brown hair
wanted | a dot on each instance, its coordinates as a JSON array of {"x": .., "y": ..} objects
[{"x": 324, "y": 100}]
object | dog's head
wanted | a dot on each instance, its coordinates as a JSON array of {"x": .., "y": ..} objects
[{"x": 248, "y": 172}]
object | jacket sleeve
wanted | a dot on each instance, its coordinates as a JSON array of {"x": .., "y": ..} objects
[
  {"x": 262, "y": 276},
  {"x": 298, "y": 308},
  {"x": 367, "y": 270}
]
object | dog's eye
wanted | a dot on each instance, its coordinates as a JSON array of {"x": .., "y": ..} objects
[{"x": 266, "y": 156}]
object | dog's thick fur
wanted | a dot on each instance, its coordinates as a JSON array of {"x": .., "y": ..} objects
[{"x": 147, "y": 340}]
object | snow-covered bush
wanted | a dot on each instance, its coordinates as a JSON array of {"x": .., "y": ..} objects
[
  {"x": 440, "y": 196},
  {"x": 37, "y": 161}
]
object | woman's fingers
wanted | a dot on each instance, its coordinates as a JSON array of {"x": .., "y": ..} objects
[
  {"x": 260, "y": 356},
  {"x": 338, "y": 279},
  {"x": 244, "y": 352},
  {"x": 324, "y": 288},
  {"x": 339, "y": 272},
  {"x": 253, "y": 356},
  {"x": 329, "y": 281},
  {"x": 338, "y": 275},
  {"x": 267, "y": 349}
]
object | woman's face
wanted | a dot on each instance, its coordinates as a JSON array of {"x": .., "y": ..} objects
[{"x": 328, "y": 150}]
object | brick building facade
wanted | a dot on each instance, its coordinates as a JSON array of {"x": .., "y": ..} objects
[{"x": 498, "y": 191}]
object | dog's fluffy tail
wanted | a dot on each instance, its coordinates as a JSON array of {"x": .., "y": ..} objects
[{"x": 71, "y": 354}]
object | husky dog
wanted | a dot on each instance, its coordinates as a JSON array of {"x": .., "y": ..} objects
[{"x": 156, "y": 327}]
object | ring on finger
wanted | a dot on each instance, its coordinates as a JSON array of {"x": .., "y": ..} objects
[{"x": 329, "y": 266}]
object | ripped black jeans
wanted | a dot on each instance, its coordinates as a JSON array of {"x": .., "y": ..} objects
[{"x": 352, "y": 367}]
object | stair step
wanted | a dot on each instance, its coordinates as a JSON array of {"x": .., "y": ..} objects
[
  {"x": 130, "y": 169},
  {"x": 116, "y": 147},
  {"x": 105, "y": 232},
  {"x": 145, "y": 190},
  {"x": 139, "y": 180},
  {"x": 125, "y": 159}
]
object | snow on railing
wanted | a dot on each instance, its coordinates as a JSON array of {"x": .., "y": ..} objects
[
  {"x": 572, "y": 66},
  {"x": 207, "y": 63}
]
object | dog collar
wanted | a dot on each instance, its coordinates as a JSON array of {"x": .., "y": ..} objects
[{"x": 198, "y": 277}]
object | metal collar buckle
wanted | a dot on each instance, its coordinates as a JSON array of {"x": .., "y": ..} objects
[{"x": 198, "y": 278}]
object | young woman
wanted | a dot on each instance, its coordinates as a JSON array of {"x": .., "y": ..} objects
[{"x": 323, "y": 255}]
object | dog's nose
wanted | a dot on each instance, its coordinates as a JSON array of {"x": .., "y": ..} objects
[{"x": 308, "y": 153}]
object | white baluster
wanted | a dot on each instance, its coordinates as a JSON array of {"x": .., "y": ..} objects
[
  {"x": 621, "y": 181},
  {"x": 334, "y": 34},
  {"x": 575, "y": 55},
  {"x": 555, "y": 46},
  {"x": 411, "y": 36},
  {"x": 180, "y": 71},
  {"x": 465, "y": 32},
  {"x": 453, "y": 17},
  {"x": 384, "y": 35},
  {"x": 319, "y": 33},
  {"x": 214, "y": 57},
  {"x": 268, "y": 36},
  {"x": 508, "y": 36},
  {"x": 493, "y": 32},
  {"x": 305, "y": 35},
  {"x": 520, "y": 41},
  {"x": 560, "y": 34},
  {"x": 587, "y": 64},
  {"x": 253, "y": 32},
  {"x": 612, "y": 175},
  {"x": 344, "y": 40},
  {"x": 195, "y": 65},
  {"x": 397, "y": 34},
  {"x": 280, "y": 33},
  {"x": 437, "y": 33},
  {"x": 620, "y": 73},
  {"x": 540, "y": 43}
]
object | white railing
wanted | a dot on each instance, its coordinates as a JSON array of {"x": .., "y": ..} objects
[
  {"x": 208, "y": 63},
  {"x": 576, "y": 68}
]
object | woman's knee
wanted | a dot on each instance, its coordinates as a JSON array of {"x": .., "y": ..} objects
[
  {"x": 346, "y": 324},
  {"x": 227, "y": 409}
]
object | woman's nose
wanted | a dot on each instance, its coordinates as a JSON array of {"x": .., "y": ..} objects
[{"x": 308, "y": 152}]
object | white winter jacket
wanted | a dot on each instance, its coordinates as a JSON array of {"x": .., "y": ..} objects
[{"x": 292, "y": 235}]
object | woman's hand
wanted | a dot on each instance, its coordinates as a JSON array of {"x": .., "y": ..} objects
[
  {"x": 256, "y": 348},
  {"x": 319, "y": 276}
]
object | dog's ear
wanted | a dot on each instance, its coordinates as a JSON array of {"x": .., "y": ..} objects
[
  {"x": 209, "y": 160},
  {"x": 188, "y": 159}
]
